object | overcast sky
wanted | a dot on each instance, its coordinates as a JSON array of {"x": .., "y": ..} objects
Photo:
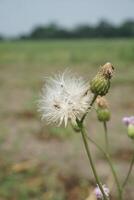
[{"x": 21, "y": 16}]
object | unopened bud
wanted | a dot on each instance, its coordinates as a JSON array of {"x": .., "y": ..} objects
[
  {"x": 101, "y": 82},
  {"x": 131, "y": 131},
  {"x": 103, "y": 114},
  {"x": 102, "y": 109}
]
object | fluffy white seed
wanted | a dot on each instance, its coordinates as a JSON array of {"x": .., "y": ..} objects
[{"x": 64, "y": 97}]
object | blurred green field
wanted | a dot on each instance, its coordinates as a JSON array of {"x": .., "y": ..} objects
[{"x": 49, "y": 163}]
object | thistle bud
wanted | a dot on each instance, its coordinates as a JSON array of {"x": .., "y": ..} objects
[
  {"x": 101, "y": 82},
  {"x": 102, "y": 110},
  {"x": 103, "y": 114},
  {"x": 131, "y": 131},
  {"x": 129, "y": 122}
]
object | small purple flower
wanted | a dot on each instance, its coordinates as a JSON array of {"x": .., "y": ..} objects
[
  {"x": 99, "y": 194},
  {"x": 128, "y": 120}
]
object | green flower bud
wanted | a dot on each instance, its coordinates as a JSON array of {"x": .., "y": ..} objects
[
  {"x": 131, "y": 131},
  {"x": 101, "y": 82},
  {"x": 103, "y": 114},
  {"x": 100, "y": 85}
]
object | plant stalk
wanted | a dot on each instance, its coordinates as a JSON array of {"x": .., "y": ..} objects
[
  {"x": 91, "y": 162},
  {"x": 129, "y": 172},
  {"x": 108, "y": 159},
  {"x": 106, "y": 137},
  {"x": 119, "y": 188},
  {"x": 92, "y": 102}
]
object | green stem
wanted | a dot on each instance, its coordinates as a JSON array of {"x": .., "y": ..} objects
[
  {"x": 108, "y": 159},
  {"x": 92, "y": 102},
  {"x": 111, "y": 163},
  {"x": 129, "y": 172},
  {"x": 106, "y": 137},
  {"x": 91, "y": 162}
]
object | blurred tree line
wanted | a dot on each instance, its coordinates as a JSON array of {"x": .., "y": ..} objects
[
  {"x": 1, "y": 38},
  {"x": 103, "y": 29}
]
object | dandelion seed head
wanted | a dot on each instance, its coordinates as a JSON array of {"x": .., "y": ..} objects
[{"x": 64, "y": 97}]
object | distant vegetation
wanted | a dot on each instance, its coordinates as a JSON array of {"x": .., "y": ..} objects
[
  {"x": 1, "y": 38},
  {"x": 103, "y": 29}
]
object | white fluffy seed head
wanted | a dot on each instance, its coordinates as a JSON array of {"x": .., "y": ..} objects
[{"x": 64, "y": 97}]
